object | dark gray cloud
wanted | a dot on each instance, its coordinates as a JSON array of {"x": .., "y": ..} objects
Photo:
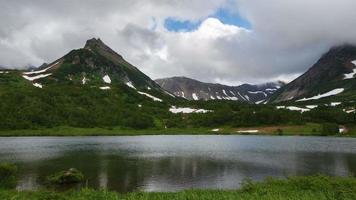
[{"x": 285, "y": 39}]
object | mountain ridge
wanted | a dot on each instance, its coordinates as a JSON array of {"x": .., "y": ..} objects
[
  {"x": 192, "y": 89},
  {"x": 330, "y": 72}
]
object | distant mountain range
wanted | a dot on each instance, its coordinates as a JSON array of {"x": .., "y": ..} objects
[
  {"x": 97, "y": 66},
  {"x": 331, "y": 77},
  {"x": 195, "y": 90}
]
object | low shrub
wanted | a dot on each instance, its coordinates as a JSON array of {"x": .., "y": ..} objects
[
  {"x": 329, "y": 129},
  {"x": 70, "y": 176}
]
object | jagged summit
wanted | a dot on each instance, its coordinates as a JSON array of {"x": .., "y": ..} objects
[
  {"x": 96, "y": 65},
  {"x": 99, "y": 46}
]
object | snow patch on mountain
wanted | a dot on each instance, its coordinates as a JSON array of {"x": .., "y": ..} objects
[
  {"x": 335, "y": 104},
  {"x": 352, "y": 74},
  {"x": 176, "y": 110},
  {"x": 105, "y": 88},
  {"x": 130, "y": 85},
  {"x": 32, "y": 78},
  {"x": 294, "y": 108},
  {"x": 195, "y": 96},
  {"x": 258, "y": 92},
  {"x": 150, "y": 96},
  {"x": 37, "y": 85},
  {"x": 319, "y": 96},
  {"x": 41, "y": 71},
  {"x": 107, "y": 79},
  {"x": 84, "y": 80}
]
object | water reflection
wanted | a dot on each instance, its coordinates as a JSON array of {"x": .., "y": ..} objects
[{"x": 170, "y": 163}]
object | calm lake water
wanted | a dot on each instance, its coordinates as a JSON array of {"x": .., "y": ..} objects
[{"x": 171, "y": 163}]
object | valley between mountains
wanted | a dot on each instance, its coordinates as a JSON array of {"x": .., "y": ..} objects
[{"x": 94, "y": 91}]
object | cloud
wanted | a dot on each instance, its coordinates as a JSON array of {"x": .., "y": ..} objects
[{"x": 285, "y": 38}]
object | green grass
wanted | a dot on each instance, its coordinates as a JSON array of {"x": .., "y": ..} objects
[
  {"x": 71, "y": 131},
  {"x": 293, "y": 188},
  {"x": 309, "y": 129}
]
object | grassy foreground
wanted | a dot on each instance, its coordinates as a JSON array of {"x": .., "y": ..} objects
[{"x": 293, "y": 188}]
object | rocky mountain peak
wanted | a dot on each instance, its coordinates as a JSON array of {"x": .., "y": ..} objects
[{"x": 97, "y": 45}]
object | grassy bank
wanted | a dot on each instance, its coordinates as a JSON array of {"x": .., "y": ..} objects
[
  {"x": 309, "y": 129},
  {"x": 301, "y": 188}
]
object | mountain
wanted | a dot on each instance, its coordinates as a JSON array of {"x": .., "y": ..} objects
[
  {"x": 96, "y": 64},
  {"x": 332, "y": 76},
  {"x": 88, "y": 87},
  {"x": 195, "y": 90}
]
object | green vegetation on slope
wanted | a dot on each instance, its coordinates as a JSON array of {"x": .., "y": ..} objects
[{"x": 293, "y": 188}]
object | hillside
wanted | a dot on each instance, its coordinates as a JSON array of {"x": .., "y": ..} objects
[
  {"x": 331, "y": 77},
  {"x": 89, "y": 87},
  {"x": 195, "y": 90}
]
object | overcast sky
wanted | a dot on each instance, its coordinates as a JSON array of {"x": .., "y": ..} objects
[{"x": 225, "y": 41}]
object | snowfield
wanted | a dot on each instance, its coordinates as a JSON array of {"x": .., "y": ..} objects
[
  {"x": 150, "y": 96},
  {"x": 259, "y": 102},
  {"x": 107, "y": 79},
  {"x": 312, "y": 106},
  {"x": 41, "y": 71},
  {"x": 270, "y": 89},
  {"x": 335, "y": 104},
  {"x": 176, "y": 110},
  {"x": 330, "y": 93},
  {"x": 84, "y": 80},
  {"x": 32, "y": 78},
  {"x": 195, "y": 96},
  {"x": 352, "y": 74},
  {"x": 105, "y": 88},
  {"x": 258, "y": 92},
  {"x": 37, "y": 85},
  {"x": 294, "y": 108},
  {"x": 130, "y": 85}
]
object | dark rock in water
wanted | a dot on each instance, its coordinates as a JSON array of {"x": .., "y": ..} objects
[{"x": 66, "y": 177}]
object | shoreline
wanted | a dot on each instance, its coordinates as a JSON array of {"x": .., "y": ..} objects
[
  {"x": 281, "y": 130},
  {"x": 297, "y": 187}
]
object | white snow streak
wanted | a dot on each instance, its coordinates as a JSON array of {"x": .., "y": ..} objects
[
  {"x": 351, "y": 75},
  {"x": 176, "y": 110},
  {"x": 258, "y": 92},
  {"x": 84, "y": 80},
  {"x": 105, "y": 88},
  {"x": 331, "y": 93},
  {"x": 36, "y": 77},
  {"x": 294, "y": 108},
  {"x": 195, "y": 96},
  {"x": 130, "y": 85},
  {"x": 37, "y": 85},
  {"x": 41, "y": 71},
  {"x": 107, "y": 79},
  {"x": 150, "y": 96}
]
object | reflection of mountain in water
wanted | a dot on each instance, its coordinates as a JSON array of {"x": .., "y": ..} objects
[
  {"x": 169, "y": 163},
  {"x": 169, "y": 174}
]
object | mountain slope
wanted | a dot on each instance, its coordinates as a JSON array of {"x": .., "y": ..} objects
[
  {"x": 89, "y": 87},
  {"x": 195, "y": 90},
  {"x": 96, "y": 64},
  {"x": 331, "y": 76}
]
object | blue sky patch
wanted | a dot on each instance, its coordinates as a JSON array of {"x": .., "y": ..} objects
[{"x": 225, "y": 16}]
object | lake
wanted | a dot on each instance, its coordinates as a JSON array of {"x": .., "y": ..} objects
[{"x": 172, "y": 163}]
